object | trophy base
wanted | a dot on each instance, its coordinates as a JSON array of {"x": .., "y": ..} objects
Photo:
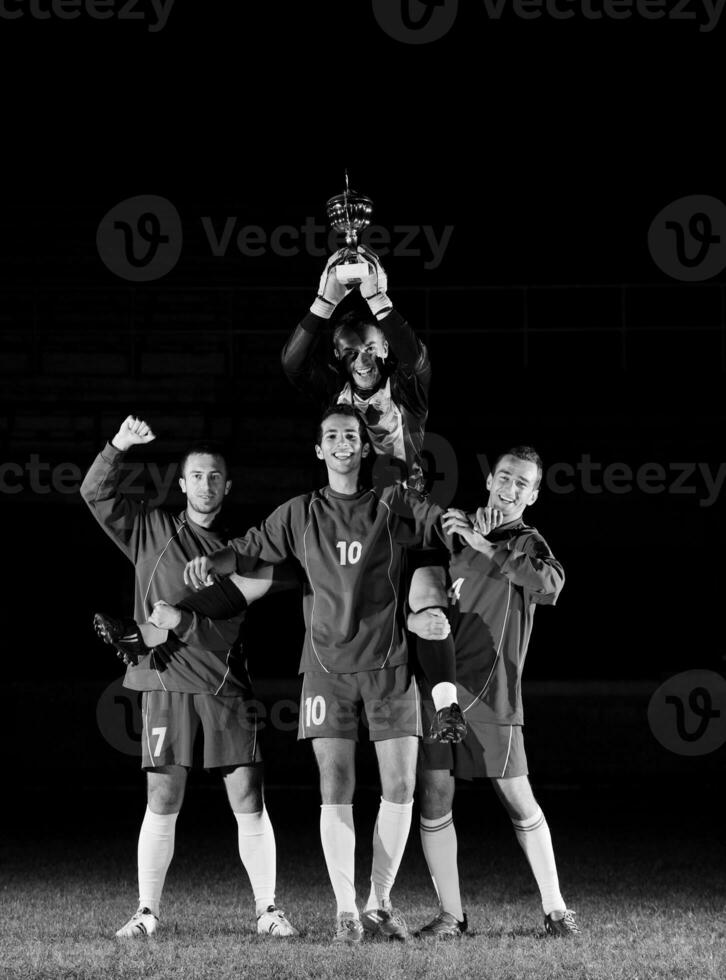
[{"x": 352, "y": 273}]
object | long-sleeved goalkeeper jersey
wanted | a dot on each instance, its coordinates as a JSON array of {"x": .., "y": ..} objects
[{"x": 307, "y": 365}]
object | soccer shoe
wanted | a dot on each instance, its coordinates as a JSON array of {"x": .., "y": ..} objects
[
  {"x": 349, "y": 929},
  {"x": 388, "y": 923},
  {"x": 124, "y": 635},
  {"x": 274, "y": 922},
  {"x": 449, "y": 724},
  {"x": 562, "y": 927},
  {"x": 142, "y": 923},
  {"x": 443, "y": 926}
]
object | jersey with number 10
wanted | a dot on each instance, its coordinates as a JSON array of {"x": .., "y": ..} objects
[{"x": 351, "y": 549}]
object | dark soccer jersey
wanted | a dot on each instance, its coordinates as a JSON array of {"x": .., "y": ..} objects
[
  {"x": 351, "y": 549},
  {"x": 159, "y": 543},
  {"x": 492, "y": 603}
]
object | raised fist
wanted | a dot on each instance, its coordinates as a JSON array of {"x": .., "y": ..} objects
[{"x": 132, "y": 432}]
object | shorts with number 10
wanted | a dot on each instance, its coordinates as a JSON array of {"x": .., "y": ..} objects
[{"x": 387, "y": 700}]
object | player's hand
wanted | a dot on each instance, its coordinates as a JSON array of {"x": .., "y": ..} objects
[
  {"x": 457, "y": 522},
  {"x": 329, "y": 288},
  {"x": 377, "y": 281},
  {"x": 200, "y": 572},
  {"x": 133, "y": 432},
  {"x": 487, "y": 519},
  {"x": 429, "y": 624},
  {"x": 165, "y": 616}
]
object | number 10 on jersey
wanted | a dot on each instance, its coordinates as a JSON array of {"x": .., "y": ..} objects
[{"x": 349, "y": 552}]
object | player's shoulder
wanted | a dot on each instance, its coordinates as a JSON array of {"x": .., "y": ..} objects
[{"x": 527, "y": 538}]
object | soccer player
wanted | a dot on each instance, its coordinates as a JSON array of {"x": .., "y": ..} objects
[
  {"x": 503, "y": 571},
  {"x": 380, "y": 367},
  {"x": 350, "y": 542},
  {"x": 199, "y": 680}
]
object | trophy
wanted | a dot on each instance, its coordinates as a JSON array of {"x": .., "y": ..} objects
[{"x": 350, "y": 212}]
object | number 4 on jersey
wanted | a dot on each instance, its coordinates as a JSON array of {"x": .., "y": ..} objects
[
  {"x": 455, "y": 590},
  {"x": 349, "y": 553}
]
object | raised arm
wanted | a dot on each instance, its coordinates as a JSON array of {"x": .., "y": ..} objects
[
  {"x": 304, "y": 359},
  {"x": 411, "y": 353},
  {"x": 118, "y": 515}
]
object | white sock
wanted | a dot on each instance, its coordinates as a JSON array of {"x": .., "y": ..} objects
[
  {"x": 337, "y": 834},
  {"x": 389, "y": 842},
  {"x": 444, "y": 694},
  {"x": 536, "y": 842},
  {"x": 438, "y": 839},
  {"x": 256, "y": 840},
  {"x": 156, "y": 849}
]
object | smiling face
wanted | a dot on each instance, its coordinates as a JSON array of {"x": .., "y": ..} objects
[
  {"x": 512, "y": 486},
  {"x": 340, "y": 445},
  {"x": 205, "y": 483},
  {"x": 360, "y": 350}
]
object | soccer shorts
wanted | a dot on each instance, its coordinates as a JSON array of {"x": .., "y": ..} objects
[
  {"x": 387, "y": 701},
  {"x": 171, "y": 720},
  {"x": 487, "y": 751}
]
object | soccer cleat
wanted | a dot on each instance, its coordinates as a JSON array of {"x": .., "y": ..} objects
[
  {"x": 563, "y": 926},
  {"x": 124, "y": 635},
  {"x": 142, "y": 923},
  {"x": 349, "y": 930},
  {"x": 449, "y": 724},
  {"x": 388, "y": 923},
  {"x": 443, "y": 926},
  {"x": 274, "y": 922}
]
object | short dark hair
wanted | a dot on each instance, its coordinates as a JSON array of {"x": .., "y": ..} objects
[
  {"x": 342, "y": 409},
  {"x": 526, "y": 453},
  {"x": 204, "y": 449},
  {"x": 355, "y": 321}
]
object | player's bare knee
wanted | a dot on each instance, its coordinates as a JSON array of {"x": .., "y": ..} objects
[
  {"x": 164, "y": 798},
  {"x": 244, "y": 788},
  {"x": 337, "y": 783},
  {"x": 397, "y": 787},
  {"x": 517, "y": 796},
  {"x": 435, "y": 793}
]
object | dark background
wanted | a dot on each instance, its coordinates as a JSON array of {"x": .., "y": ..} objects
[{"x": 549, "y": 146}]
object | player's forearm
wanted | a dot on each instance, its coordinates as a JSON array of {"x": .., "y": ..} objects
[
  {"x": 100, "y": 491},
  {"x": 103, "y": 477},
  {"x": 543, "y": 576},
  {"x": 410, "y": 352},
  {"x": 211, "y": 634},
  {"x": 298, "y": 351}
]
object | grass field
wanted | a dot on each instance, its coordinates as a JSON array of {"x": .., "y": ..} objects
[{"x": 649, "y": 893}]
